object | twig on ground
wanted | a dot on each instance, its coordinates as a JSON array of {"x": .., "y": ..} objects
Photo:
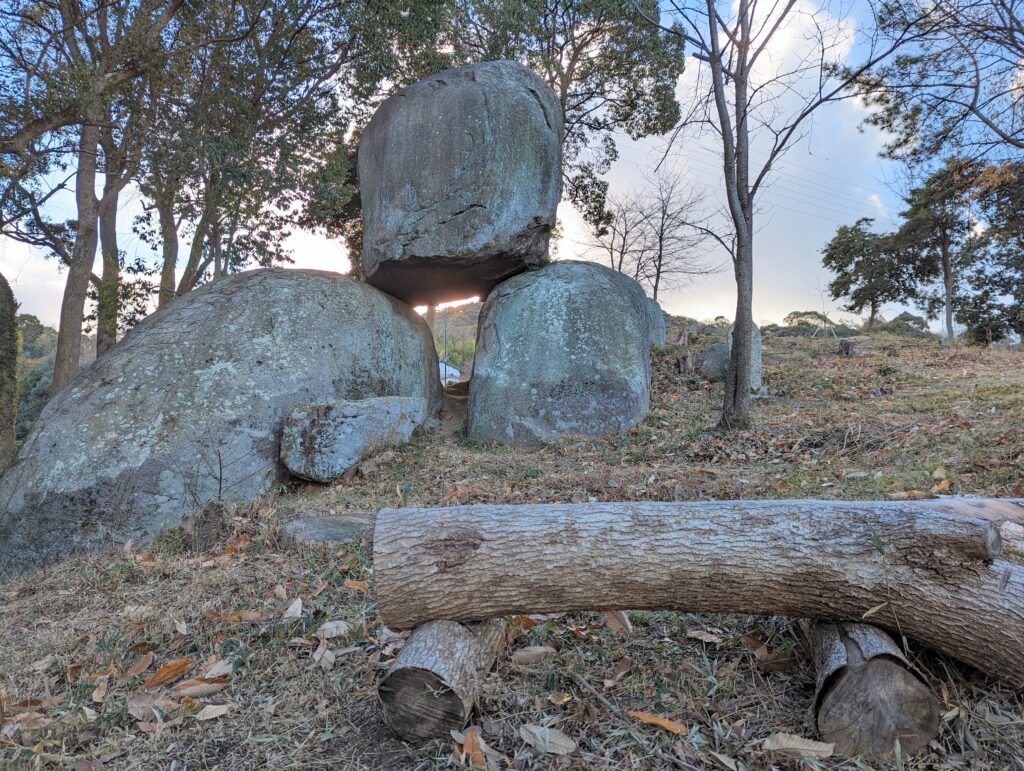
[{"x": 661, "y": 754}]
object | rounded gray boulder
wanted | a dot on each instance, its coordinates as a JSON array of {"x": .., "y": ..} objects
[
  {"x": 561, "y": 351},
  {"x": 321, "y": 442},
  {"x": 714, "y": 364},
  {"x": 460, "y": 175},
  {"x": 188, "y": 407}
]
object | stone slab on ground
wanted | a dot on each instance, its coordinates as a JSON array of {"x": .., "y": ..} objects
[{"x": 330, "y": 528}]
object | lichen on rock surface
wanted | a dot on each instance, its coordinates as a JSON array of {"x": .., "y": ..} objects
[
  {"x": 188, "y": 407},
  {"x": 321, "y": 442},
  {"x": 561, "y": 351}
]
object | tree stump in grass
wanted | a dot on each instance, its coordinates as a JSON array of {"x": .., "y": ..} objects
[
  {"x": 867, "y": 697},
  {"x": 435, "y": 681}
]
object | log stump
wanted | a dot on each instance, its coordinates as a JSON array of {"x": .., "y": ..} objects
[
  {"x": 868, "y": 697},
  {"x": 435, "y": 680}
]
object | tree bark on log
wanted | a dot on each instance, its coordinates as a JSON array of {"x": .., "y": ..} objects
[
  {"x": 867, "y": 696},
  {"x": 1008, "y": 513},
  {"x": 924, "y": 569},
  {"x": 435, "y": 681}
]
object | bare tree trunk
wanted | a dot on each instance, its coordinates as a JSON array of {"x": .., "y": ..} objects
[
  {"x": 736, "y": 407},
  {"x": 947, "y": 283},
  {"x": 108, "y": 302},
  {"x": 920, "y": 565},
  {"x": 435, "y": 681},
  {"x": 868, "y": 698},
  {"x": 72, "y": 309},
  {"x": 192, "y": 272},
  {"x": 872, "y": 317},
  {"x": 169, "y": 247},
  {"x": 109, "y": 295},
  {"x": 947, "y": 280}
]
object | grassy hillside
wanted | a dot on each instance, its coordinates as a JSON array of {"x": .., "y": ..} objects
[{"x": 891, "y": 420}]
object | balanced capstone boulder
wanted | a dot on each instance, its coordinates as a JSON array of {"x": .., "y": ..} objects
[
  {"x": 561, "y": 351},
  {"x": 320, "y": 442},
  {"x": 188, "y": 407},
  {"x": 460, "y": 175}
]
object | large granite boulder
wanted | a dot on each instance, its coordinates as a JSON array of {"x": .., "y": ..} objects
[
  {"x": 321, "y": 442},
  {"x": 188, "y": 407},
  {"x": 658, "y": 328},
  {"x": 460, "y": 175},
  {"x": 561, "y": 351}
]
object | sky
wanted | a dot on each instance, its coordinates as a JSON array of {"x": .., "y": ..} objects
[{"x": 832, "y": 177}]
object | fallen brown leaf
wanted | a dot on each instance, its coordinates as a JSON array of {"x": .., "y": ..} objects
[
  {"x": 211, "y": 711},
  {"x": 471, "y": 748},
  {"x": 140, "y": 705},
  {"x": 141, "y": 665},
  {"x": 172, "y": 670},
  {"x": 99, "y": 693},
  {"x": 797, "y": 746},
  {"x": 621, "y": 668},
  {"x": 657, "y": 720},
  {"x": 618, "y": 621},
  {"x": 198, "y": 687},
  {"x": 532, "y": 654},
  {"x": 294, "y": 610},
  {"x": 704, "y": 636},
  {"x": 152, "y": 728},
  {"x": 219, "y": 668},
  {"x": 43, "y": 663},
  {"x": 547, "y": 740},
  {"x": 248, "y": 616}
]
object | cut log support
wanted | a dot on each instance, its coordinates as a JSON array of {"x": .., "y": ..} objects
[
  {"x": 929, "y": 568},
  {"x": 867, "y": 696},
  {"x": 435, "y": 681}
]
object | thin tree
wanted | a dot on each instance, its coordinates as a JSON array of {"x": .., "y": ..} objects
[
  {"x": 937, "y": 239},
  {"x": 759, "y": 102},
  {"x": 623, "y": 240},
  {"x": 657, "y": 235},
  {"x": 675, "y": 222}
]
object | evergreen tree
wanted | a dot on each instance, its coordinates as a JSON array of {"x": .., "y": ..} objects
[
  {"x": 939, "y": 240},
  {"x": 868, "y": 271}
]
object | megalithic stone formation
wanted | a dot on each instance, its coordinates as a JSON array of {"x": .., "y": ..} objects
[{"x": 460, "y": 175}]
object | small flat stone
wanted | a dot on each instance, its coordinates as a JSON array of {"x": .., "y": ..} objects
[{"x": 331, "y": 528}]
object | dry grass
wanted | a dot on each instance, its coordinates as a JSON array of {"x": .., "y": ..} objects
[{"x": 872, "y": 426}]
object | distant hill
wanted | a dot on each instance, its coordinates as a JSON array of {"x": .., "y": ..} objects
[{"x": 461, "y": 326}]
